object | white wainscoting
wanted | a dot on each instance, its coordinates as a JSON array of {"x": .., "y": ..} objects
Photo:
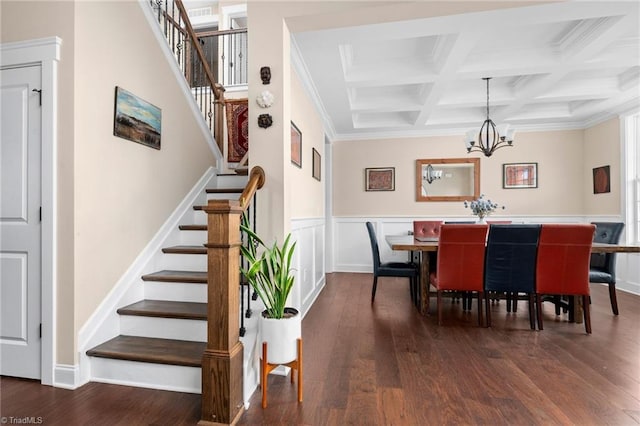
[
  {"x": 309, "y": 261},
  {"x": 352, "y": 250}
]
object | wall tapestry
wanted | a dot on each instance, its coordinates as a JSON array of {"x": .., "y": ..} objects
[
  {"x": 237, "y": 129},
  {"x": 136, "y": 119}
]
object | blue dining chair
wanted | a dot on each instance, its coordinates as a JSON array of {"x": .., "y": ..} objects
[
  {"x": 391, "y": 269},
  {"x": 510, "y": 264},
  {"x": 602, "y": 266}
]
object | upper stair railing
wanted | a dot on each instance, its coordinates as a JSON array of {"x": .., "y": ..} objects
[
  {"x": 184, "y": 43},
  {"x": 226, "y": 53}
]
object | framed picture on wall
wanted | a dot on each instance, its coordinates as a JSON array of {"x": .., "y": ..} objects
[
  {"x": 136, "y": 119},
  {"x": 296, "y": 145},
  {"x": 520, "y": 175},
  {"x": 380, "y": 179},
  {"x": 317, "y": 164},
  {"x": 601, "y": 180}
]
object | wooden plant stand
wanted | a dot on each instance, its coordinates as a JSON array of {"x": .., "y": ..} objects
[{"x": 266, "y": 368}]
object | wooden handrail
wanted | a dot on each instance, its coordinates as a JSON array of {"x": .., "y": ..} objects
[
  {"x": 218, "y": 90},
  {"x": 221, "y": 32},
  {"x": 256, "y": 181}
]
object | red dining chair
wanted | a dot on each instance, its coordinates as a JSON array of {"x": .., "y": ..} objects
[
  {"x": 461, "y": 250},
  {"x": 426, "y": 228},
  {"x": 562, "y": 267}
]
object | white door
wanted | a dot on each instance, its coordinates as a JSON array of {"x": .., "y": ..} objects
[{"x": 20, "y": 282}]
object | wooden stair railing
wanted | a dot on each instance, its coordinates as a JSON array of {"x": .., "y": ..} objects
[
  {"x": 222, "y": 361},
  {"x": 182, "y": 39}
]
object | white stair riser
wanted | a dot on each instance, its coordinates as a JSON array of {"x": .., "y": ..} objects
[
  {"x": 179, "y": 292},
  {"x": 147, "y": 375},
  {"x": 198, "y": 217},
  {"x": 184, "y": 262},
  {"x": 230, "y": 181},
  {"x": 225, "y": 196},
  {"x": 164, "y": 328},
  {"x": 193, "y": 238}
]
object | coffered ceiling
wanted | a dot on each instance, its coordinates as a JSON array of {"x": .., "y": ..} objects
[{"x": 554, "y": 66}]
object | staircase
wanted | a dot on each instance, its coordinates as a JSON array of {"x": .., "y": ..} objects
[{"x": 163, "y": 336}]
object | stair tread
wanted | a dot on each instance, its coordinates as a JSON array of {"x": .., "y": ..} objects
[
  {"x": 192, "y": 227},
  {"x": 184, "y": 249},
  {"x": 166, "y": 309},
  {"x": 242, "y": 171},
  {"x": 149, "y": 349},
  {"x": 177, "y": 276},
  {"x": 224, "y": 190}
]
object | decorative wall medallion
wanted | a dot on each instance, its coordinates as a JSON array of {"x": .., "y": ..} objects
[
  {"x": 265, "y": 99},
  {"x": 265, "y": 75},
  {"x": 265, "y": 120}
]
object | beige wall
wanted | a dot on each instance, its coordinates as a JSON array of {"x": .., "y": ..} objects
[
  {"x": 25, "y": 20},
  {"x": 113, "y": 194},
  {"x": 124, "y": 191},
  {"x": 307, "y": 200},
  {"x": 602, "y": 148},
  {"x": 559, "y": 155}
]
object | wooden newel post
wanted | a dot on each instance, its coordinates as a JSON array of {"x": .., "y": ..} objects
[{"x": 222, "y": 361}]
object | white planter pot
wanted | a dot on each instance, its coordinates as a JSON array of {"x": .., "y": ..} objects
[{"x": 281, "y": 336}]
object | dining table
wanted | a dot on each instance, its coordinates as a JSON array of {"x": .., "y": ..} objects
[{"x": 430, "y": 245}]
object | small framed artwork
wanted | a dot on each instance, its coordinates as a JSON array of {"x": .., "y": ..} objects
[
  {"x": 296, "y": 145},
  {"x": 380, "y": 179},
  {"x": 601, "y": 180},
  {"x": 136, "y": 119},
  {"x": 317, "y": 164},
  {"x": 520, "y": 175}
]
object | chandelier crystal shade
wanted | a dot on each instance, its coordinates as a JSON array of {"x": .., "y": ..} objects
[{"x": 490, "y": 137}]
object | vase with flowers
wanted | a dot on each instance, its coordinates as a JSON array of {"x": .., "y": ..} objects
[{"x": 482, "y": 207}]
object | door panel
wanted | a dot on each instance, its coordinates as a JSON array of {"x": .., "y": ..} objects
[{"x": 20, "y": 257}]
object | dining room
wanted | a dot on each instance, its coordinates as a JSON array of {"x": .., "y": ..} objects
[{"x": 566, "y": 164}]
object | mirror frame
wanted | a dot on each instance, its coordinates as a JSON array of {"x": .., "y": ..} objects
[{"x": 476, "y": 179}]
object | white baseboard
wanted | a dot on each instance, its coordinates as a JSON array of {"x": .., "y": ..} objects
[{"x": 66, "y": 376}]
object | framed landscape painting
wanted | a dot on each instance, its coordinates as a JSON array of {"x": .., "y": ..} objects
[
  {"x": 136, "y": 119},
  {"x": 380, "y": 179},
  {"x": 520, "y": 175}
]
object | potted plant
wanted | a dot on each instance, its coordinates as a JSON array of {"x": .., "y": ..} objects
[
  {"x": 269, "y": 274},
  {"x": 482, "y": 207}
]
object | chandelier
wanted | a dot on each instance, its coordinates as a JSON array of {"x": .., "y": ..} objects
[
  {"x": 431, "y": 174},
  {"x": 490, "y": 137}
]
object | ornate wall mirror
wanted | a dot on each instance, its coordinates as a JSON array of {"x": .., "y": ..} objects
[{"x": 447, "y": 179}]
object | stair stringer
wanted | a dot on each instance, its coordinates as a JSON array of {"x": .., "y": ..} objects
[{"x": 104, "y": 323}]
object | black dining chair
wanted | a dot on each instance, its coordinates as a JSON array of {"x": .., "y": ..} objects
[
  {"x": 391, "y": 269},
  {"x": 602, "y": 266},
  {"x": 510, "y": 264}
]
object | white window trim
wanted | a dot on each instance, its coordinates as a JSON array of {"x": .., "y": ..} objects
[{"x": 629, "y": 123}]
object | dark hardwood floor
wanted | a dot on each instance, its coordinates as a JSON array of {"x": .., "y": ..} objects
[{"x": 387, "y": 365}]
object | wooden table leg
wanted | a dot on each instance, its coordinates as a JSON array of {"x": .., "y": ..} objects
[
  {"x": 424, "y": 283},
  {"x": 577, "y": 309}
]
